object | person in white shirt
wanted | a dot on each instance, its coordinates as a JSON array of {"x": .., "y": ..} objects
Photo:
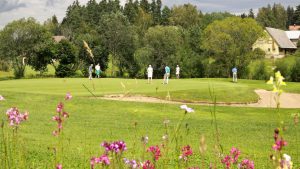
[
  {"x": 177, "y": 71},
  {"x": 150, "y": 74},
  {"x": 97, "y": 68}
]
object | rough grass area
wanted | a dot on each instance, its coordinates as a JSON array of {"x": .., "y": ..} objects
[{"x": 94, "y": 120}]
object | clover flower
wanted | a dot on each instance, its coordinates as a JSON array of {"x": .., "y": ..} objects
[
  {"x": 132, "y": 164},
  {"x": 148, "y": 165},
  {"x": 104, "y": 160},
  {"x": 246, "y": 164},
  {"x": 155, "y": 152},
  {"x": 186, "y": 152},
  {"x": 187, "y": 109},
  {"x": 15, "y": 117},
  {"x": 1, "y": 98},
  {"x": 235, "y": 153},
  {"x": 59, "y": 118},
  {"x": 115, "y": 147},
  {"x": 68, "y": 96}
]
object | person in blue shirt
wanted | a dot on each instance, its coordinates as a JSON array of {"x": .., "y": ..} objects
[
  {"x": 166, "y": 75},
  {"x": 234, "y": 74}
]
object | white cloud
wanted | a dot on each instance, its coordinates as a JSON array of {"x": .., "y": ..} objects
[{"x": 43, "y": 9}]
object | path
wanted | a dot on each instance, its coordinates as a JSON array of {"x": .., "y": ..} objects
[{"x": 287, "y": 100}]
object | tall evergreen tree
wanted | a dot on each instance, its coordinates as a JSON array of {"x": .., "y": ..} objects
[
  {"x": 131, "y": 11},
  {"x": 296, "y": 16},
  {"x": 144, "y": 4},
  {"x": 165, "y": 15},
  {"x": 251, "y": 14},
  {"x": 290, "y": 14}
]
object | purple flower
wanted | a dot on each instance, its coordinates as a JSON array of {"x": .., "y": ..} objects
[
  {"x": 279, "y": 144},
  {"x": 15, "y": 117},
  {"x": 59, "y": 166},
  {"x": 59, "y": 107},
  {"x": 235, "y": 154},
  {"x": 132, "y": 164},
  {"x": 227, "y": 161},
  {"x": 115, "y": 147},
  {"x": 155, "y": 152},
  {"x": 104, "y": 160}
]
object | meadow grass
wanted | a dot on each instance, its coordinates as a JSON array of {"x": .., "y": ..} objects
[{"x": 93, "y": 121}]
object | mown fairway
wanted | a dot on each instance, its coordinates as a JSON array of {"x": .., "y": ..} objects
[{"x": 93, "y": 121}]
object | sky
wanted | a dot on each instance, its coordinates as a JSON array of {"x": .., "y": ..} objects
[{"x": 43, "y": 9}]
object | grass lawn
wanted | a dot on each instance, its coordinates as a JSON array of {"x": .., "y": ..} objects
[{"x": 94, "y": 120}]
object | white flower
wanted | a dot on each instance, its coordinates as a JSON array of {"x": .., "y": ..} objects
[
  {"x": 187, "y": 109},
  {"x": 287, "y": 157},
  {"x": 1, "y": 98}
]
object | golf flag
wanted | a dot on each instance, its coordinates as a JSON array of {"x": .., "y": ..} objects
[{"x": 88, "y": 49}]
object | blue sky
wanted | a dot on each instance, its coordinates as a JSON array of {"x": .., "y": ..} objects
[{"x": 42, "y": 9}]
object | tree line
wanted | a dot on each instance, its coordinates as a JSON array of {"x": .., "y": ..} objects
[{"x": 128, "y": 38}]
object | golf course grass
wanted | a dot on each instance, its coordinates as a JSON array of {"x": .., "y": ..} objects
[{"x": 93, "y": 121}]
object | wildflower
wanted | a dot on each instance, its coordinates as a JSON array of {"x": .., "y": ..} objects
[
  {"x": 145, "y": 139},
  {"x": 165, "y": 137},
  {"x": 166, "y": 121},
  {"x": 279, "y": 144},
  {"x": 187, "y": 109},
  {"x": 246, "y": 164},
  {"x": 285, "y": 162},
  {"x": 65, "y": 114},
  {"x": 15, "y": 117},
  {"x": 132, "y": 164},
  {"x": 155, "y": 152},
  {"x": 104, "y": 160},
  {"x": 186, "y": 152},
  {"x": 1, "y": 98},
  {"x": 59, "y": 107},
  {"x": 194, "y": 168},
  {"x": 68, "y": 96},
  {"x": 271, "y": 81},
  {"x": 148, "y": 165},
  {"x": 227, "y": 161},
  {"x": 235, "y": 154},
  {"x": 115, "y": 147},
  {"x": 59, "y": 166},
  {"x": 55, "y": 133}
]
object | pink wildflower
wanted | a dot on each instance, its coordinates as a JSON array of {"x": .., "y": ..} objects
[
  {"x": 55, "y": 133},
  {"x": 59, "y": 107},
  {"x": 246, "y": 164},
  {"x": 132, "y": 164},
  {"x": 59, "y": 166},
  {"x": 15, "y": 117},
  {"x": 65, "y": 114},
  {"x": 104, "y": 160},
  {"x": 279, "y": 144},
  {"x": 227, "y": 161},
  {"x": 116, "y": 147},
  {"x": 155, "y": 152},
  {"x": 148, "y": 165},
  {"x": 68, "y": 96},
  {"x": 235, "y": 154},
  {"x": 186, "y": 151}
]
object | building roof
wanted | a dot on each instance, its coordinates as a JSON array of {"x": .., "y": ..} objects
[
  {"x": 281, "y": 38},
  {"x": 293, "y": 34},
  {"x": 294, "y": 27},
  {"x": 58, "y": 38}
]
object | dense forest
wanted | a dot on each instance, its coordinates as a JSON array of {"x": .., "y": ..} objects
[{"x": 125, "y": 39}]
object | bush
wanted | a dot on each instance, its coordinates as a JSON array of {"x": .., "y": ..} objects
[
  {"x": 259, "y": 70},
  {"x": 295, "y": 71},
  {"x": 64, "y": 71},
  {"x": 4, "y": 66},
  {"x": 285, "y": 65}
]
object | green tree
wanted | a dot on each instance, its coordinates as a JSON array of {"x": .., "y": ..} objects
[
  {"x": 161, "y": 45},
  {"x": 165, "y": 15},
  {"x": 295, "y": 75},
  {"x": 144, "y": 4},
  {"x": 66, "y": 58},
  {"x": 251, "y": 14},
  {"x": 120, "y": 40},
  {"x": 296, "y": 16},
  {"x": 185, "y": 15},
  {"x": 290, "y": 14},
  {"x": 131, "y": 11},
  {"x": 52, "y": 25},
  {"x": 230, "y": 41},
  {"x": 19, "y": 41}
]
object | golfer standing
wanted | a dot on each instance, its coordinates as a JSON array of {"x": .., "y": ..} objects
[
  {"x": 97, "y": 68},
  {"x": 234, "y": 74},
  {"x": 177, "y": 71},
  {"x": 166, "y": 75},
  {"x": 90, "y": 71},
  {"x": 150, "y": 74}
]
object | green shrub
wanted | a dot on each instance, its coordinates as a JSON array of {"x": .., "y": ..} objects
[{"x": 295, "y": 71}]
